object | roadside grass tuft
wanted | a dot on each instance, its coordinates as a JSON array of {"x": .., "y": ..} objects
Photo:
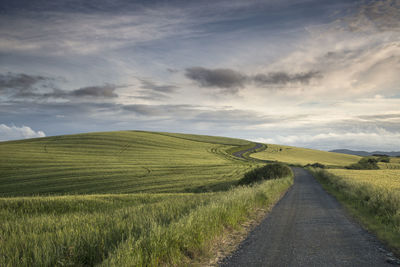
[
  {"x": 367, "y": 163},
  {"x": 267, "y": 172}
]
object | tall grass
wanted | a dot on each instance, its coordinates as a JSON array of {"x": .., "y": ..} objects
[
  {"x": 377, "y": 206},
  {"x": 267, "y": 172},
  {"x": 124, "y": 230}
]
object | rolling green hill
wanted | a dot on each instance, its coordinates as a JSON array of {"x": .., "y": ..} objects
[
  {"x": 119, "y": 162},
  {"x": 124, "y": 198},
  {"x": 304, "y": 156}
]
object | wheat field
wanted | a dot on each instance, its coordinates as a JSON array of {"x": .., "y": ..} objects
[{"x": 304, "y": 156}]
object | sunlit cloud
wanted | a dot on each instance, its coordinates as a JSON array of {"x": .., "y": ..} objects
[{"x": 14, "y": 132}]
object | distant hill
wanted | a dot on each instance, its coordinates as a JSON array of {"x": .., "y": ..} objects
[
  {"x": 304, "y": 156},
  {"x": 365, "y": 153},
  {"x": 119, "y": 162}
]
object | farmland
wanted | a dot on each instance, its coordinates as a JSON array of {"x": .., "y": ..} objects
[
  {"x": 124, "y": 198},
  {"x": 387, "y": 178},
  {"x": 119, "y": 162},
  {"x": 304, "y": 156}
]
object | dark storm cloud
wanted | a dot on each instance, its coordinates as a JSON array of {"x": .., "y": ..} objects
[
  {"x": 284, "y": 78},
  {"x": 232, "y": 80},
  {"x": 19, "y": 81},
  {"x": 20, "y": 84},
  {"x": 34, "y": 87},
  {"x": 106, "y": 91},
  {"x": 222, "y": 78},
  {"x": 103, "y": 91}
]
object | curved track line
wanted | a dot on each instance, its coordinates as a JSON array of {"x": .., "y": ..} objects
[{"x": 240, "y": 154}]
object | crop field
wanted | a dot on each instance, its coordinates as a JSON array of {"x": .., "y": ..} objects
[
  {"x": 125, "y": 229},
  {"x": 119, "y": 162},
  {"x": 373, "y": 196},
  {"x": 394, "y": 164},
  {"x": 388, "y": 178},
  {"x": 123, "y": 198},
  {"x": 304, "y": 156}
]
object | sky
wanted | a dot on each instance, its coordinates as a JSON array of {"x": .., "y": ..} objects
[{"x": 310, "y": 73}]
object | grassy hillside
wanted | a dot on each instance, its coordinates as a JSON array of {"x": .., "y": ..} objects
[
  {"x": 119, "y": 162},
  {"x": 106, "y": 221},
  {"x": 304, "y": 156}
]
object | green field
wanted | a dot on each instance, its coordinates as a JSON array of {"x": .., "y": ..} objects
[
  {"x": 119, "y": 162},
  {"x": 304, "y": 156},
  {"x": 387, "y": 178},
  {"x": 124, "y": 230},
  {"x": 134, "y": 198},
  {"x": 124, "y": 198}
]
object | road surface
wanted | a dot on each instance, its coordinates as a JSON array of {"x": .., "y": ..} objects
[
  {"x": 239, "y": 154},
  {"x": 308, "y": 227}
]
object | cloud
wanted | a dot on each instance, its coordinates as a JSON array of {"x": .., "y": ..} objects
[
  {"x": 14, "y": 132},
  {"x": 231, "y": 80},
  {"x": 370, "y": 141},
  {"x": 34, "y": 87},
  {"x": 222, "y": 78},
  {"x": 284, "y": 78},
  {"x": 376, "y": 16},
  {"x": 103, "y": 91},
  {"x": 20, "y": 84},
  {"x": 19, "y": 81},
  {"x": 89, "y": 32},
  {"x": 178, "y": 111},
  {"x": 150, "y": 90},
  {"x": 381, "y": 117},
  {"x": 159, "y": 88},
  {"x": 106, "y": 91},
  {"x": 219, "y": 117}
]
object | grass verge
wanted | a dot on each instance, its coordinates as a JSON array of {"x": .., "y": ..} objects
[
  {"x": 267, "y": 172},
  {"x": 377, "y": 208}
]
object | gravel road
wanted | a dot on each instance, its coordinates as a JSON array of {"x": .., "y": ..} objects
[
  {"x": 239, "y": 154},
  {"x": 308, "y": 227}
]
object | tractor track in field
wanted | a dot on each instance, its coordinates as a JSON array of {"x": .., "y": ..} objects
[{"x": 308, "y": 227}]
